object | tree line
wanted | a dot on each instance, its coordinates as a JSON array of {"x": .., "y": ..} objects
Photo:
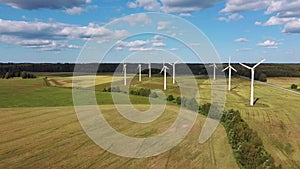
[
  {"x": 263, "y": 71},
  {"x": 247, "y": 146},
  {"x": 23, "y": 75}
]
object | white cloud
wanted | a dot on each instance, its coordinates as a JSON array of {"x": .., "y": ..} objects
[
  {"x": 142, "y": 45},
  {"x": 119, "y": 48},
  {"x": 232, "y": 17},
  {"x": 185, "y": 15},
  {"x": 268, "y": 44},
  {"x": 257, "y": 23},
  {"x": 49, "y": 4},
  {"x": 163, "y": 25},
  {"x": 137, "y": 18},
  {"x": 135, "y": 43},
  {"x": 75, "y": 11},
  {"x": 292, "y": 27},
  {"x": 285, "y": 12},
  {"x": 132, "y": 5},
  {"x": 286, "y": 8},
  {"x": 52, "y": 35},
  {"x": 149, "y": 5},
  {"x": 274, "y": 20},
  {"x": 243, "y": 49},
  {"x": 245, "y": 5},
  {"x": 178, "y": 6},
  {"x": 173, "y": 6},
  {"x": 173, "y": 49},
  {"x": 241, "y": 40},
  {"x": 141, "y": 49},
  {"x": 158, "y": 44},
  {"x": 195, "y": 44}
]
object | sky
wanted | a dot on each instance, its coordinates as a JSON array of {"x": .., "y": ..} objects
[{"x": 60, "y": 30}]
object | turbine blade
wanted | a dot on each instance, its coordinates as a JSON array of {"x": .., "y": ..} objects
[
  {"x": 258, "y": 63},
  {"x": 233, "y": 69},
  {"x": 225, "y": 68},
  {"x": 176, "y": 61},
  {"x": 245, "y": 66},
  {"x": 162, "y": 70}
]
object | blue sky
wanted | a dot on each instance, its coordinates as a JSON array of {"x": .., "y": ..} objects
[{"x": 56, "y": 31}]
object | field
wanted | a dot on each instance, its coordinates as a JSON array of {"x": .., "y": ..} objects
[
  {"x": 285, "y": 82},
  {"x": 40, "y": 129}
]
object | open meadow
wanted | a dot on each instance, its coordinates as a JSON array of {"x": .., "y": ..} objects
[{"x": 39, "y": 128}]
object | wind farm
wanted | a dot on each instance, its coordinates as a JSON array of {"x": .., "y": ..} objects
[{"x": 150, "y": 84}]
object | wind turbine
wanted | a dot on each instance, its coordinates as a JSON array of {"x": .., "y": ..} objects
[
  {"x": 140, "y": 72},
  {"x": 149, "y": 67},
  {"x": 164, "y": 69},
  {"x": 229, "y": 67},
  {"x": 215, "y": 67},
  {"x": 252, "y": 79},
  {"x": 173, "y": 70},
  {"x": 124, "y": 71}
]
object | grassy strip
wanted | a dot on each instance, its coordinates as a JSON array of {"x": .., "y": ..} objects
[{"x": 246, "y": 144}]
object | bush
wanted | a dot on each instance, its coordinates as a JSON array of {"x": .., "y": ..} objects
[
  {"x": 178, "y": 100},
  {"x": 25, "y": 75},
  {"x": 170, "y": 98},
  {"x": 293, "y": 86},
  {"x": 7, "y": 75},
  {"x": 153, "y": 95},
  {"x": 192, "y": 104},
  {"x": 262, "y": 77}
]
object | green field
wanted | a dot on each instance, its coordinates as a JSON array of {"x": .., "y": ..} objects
[
  {"x": 285, "y": 82},
  {"x": 39, "y": 129}
]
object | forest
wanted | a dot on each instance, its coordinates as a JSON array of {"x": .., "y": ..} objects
[{"x": 263, "y": 71}]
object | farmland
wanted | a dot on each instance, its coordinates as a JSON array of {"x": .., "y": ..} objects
[{"x": 39, "y": 127}]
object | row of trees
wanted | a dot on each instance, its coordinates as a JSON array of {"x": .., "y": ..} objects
[
  {"x": 264, "y": 70},
  {"x": 23, "y": 75},
  {"x": 246, "y": 144}
]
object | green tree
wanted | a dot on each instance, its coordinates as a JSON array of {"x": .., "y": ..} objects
[
  {"x": 262, "y": 77},
  {"x": 192, "y": 104},
  {"x": 23, "y": 75},
  {"x": 7, "y": 75},
  {"x": 293, "y": 86},
  {"x": 178, "y": 100},
  {"x": 153, "y": 95},
  {"x": 170, "y": 98}
]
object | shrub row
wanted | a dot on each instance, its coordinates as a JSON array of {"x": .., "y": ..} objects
[
  {"x": 23, "y": 74},
  {"x": 246, "y": 144}
]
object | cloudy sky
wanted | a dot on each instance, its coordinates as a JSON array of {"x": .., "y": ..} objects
[{"x": 56, "y": 30}]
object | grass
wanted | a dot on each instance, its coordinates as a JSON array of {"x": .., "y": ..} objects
[
  {"x": 285, "y": 82},
  {"x": 33, "y": 93},
  {"x": 52, "y": 138},
  {"x": 275, "y": 117}
]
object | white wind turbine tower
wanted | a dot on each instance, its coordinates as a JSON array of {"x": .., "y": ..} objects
[
  {"x": 215, "y": 67},
  {"x": 164, "y": 69},
  {"x": 140, "y": 72},
  {"x": 173, "y": 70},
  {"x": 252, "y": 79},
  {"x": 124, "y": 71},
  {"x": 229, "y": 67},
  {"x": 149, "y": 67}
]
